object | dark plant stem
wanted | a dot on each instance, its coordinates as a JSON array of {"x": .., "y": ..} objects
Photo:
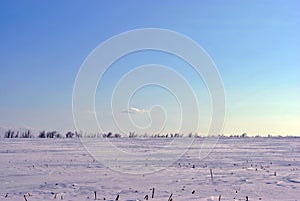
[
  {"x": 211, "y": 175},
  {"x": 153, "y": 193}
]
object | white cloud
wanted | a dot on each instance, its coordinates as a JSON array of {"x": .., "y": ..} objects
[{"x": 134, "y": 110}]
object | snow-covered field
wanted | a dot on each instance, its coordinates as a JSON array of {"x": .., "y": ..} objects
[{"x": 55, "y": 169}]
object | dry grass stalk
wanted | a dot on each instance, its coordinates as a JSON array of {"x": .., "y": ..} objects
[
  {"x": 170, "y": 198},
  {"x": 153, "y": 189},
  {"x": 211, "y": 174}
]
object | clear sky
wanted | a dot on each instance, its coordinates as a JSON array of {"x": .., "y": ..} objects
[{"x": 254, "y": 44}]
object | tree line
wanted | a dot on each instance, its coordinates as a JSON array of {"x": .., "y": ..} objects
[{"x": 55, "y": 134}]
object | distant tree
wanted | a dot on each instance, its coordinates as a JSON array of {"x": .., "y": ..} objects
[
  {"x": 244, "y": 135},
  {"x": 9, "y": 134},
  {"x": 109, "y": 135},
  {"x": 26, "y": 134},
  {"x": 70, "y": 134},
  {"x": 117, "y": 135},
  {"x": 78, "y": 135},
  {"x": 132, "y": 135},
  {"x": 42, "y": 134},
  {"x": 53, "y": 134},
  {"x": 50, "y": 134}
]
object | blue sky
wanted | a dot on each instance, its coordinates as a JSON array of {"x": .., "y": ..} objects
[{"x": 254, "y": 44}]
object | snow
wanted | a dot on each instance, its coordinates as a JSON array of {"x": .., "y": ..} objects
[{"x": 63, "y": 169}]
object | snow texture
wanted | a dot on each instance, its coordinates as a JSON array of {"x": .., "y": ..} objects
[{"x": 62, "y": 169}]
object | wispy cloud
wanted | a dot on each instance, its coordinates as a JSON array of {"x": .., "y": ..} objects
[{"x": 134, "y": 110}]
